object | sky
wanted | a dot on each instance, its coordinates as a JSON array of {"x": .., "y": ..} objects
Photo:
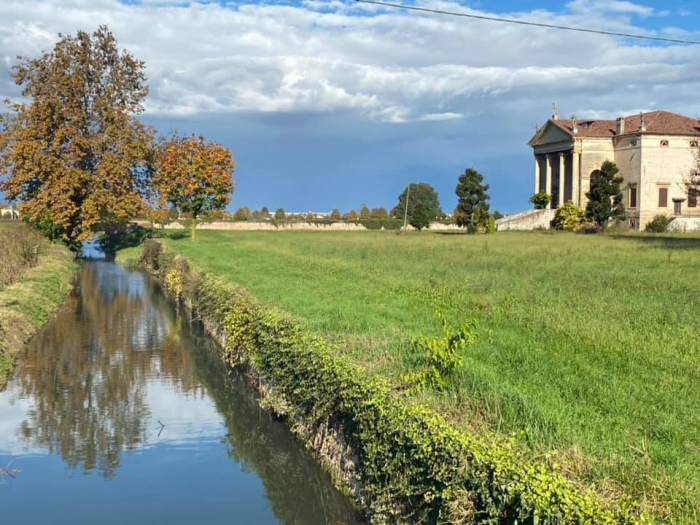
[{"x": 332, "y": 104}]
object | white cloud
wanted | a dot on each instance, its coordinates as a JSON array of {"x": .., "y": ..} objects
[
  {"x": 326, "y": 57},
  {"x": 613, "y": 6},
  {"x": 441, "y": 116}
]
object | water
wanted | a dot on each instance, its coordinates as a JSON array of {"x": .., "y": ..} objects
[{"x": 119, "y": 412}]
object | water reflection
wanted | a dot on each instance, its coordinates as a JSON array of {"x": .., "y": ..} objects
[{"x": 95, "y": 386}]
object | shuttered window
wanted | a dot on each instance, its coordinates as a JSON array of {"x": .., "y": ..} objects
[{"x": 663, "y": 197}]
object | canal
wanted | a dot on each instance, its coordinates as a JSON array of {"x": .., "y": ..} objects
[{"x": 119, "y": 411}]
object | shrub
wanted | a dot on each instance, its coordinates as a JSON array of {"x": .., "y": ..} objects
[
  {"x": 21, "y": 248},
  {"x": 540, "y": 200},
  {"x": 659, "y": 224},
  {"x": 589, "y": 228},
  {"x": 440, "y": 358},
  {"x": 491, "y": 225},
  {"x": 378, "y": 224},
  {"x": 568, "y": 217}
]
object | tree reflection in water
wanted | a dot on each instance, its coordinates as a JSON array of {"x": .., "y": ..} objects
[{"x": 87, "y": 372}]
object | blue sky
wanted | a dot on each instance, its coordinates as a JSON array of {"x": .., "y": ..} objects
[{"x": 331, "y": 104}]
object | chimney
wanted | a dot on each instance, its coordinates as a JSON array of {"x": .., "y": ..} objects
[
  {"x": 620, "y": 126},
  {"x": 642, "y": 123},
  {"x": 574, "y": 124}
]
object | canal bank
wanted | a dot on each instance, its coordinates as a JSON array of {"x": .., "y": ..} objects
[
  {"x": 121, "y": 411},
  {"x": 403, "y": 463},
  {"x": 26, "y": 305}
]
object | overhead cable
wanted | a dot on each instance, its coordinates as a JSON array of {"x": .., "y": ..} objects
[{"x": 526, "y": 23}]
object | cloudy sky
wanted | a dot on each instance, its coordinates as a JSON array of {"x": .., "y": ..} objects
[{"x": 333, "y": 103}]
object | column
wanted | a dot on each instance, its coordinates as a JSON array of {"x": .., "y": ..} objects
[
  {"x": 562, "y": 178},
  {"x": 575, "y": 177},
  {"x": 537, "y": 174},
  {"x": 548, "y": 175}
]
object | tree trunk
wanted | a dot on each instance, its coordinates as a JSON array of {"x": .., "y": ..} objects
[{"x": 193, "y": 230}]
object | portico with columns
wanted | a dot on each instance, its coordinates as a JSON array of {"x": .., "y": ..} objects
[{"x": 558, "y": 173}]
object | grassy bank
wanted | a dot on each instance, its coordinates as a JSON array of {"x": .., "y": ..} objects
[
  {"x": 587, "y": 345},
  {"x": 32, "y": 294}
]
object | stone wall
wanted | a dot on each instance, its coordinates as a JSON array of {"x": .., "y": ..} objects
[
  {"x": 269, "y": 226},
  {"x": 528, "y": 220},
  {"x": 684, "y": 225}
]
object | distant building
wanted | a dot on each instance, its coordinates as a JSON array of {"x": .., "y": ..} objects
[
  {"x": 6, "y": 212},
  {"x": 654, "y": 152}
]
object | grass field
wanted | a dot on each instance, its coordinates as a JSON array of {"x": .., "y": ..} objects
[{"x": 587, "y": 346}]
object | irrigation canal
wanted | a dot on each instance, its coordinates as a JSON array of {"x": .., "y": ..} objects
[{"x": 120, "y": 412}]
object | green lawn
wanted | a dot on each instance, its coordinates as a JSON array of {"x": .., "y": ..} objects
[{"x": 588, "y": 346}]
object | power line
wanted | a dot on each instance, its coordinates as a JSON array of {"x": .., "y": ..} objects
[{"x": 524, "y": 23}]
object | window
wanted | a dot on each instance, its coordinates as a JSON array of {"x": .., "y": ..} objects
[
  {"x": 632, "y": 198},
  {"x": 677, "y": 207},
  {"x": 692, "y": 198},
  {"x": 663, "y": 197},
  {"x": 693, "y": 143},
  {"x": 664, "y": 143}
]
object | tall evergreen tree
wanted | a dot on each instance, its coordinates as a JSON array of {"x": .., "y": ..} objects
[
  {"x": 605, "y": 197},
  {"x": 472, "y": 206}
]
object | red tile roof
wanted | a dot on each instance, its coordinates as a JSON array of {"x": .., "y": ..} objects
[{"x": 657, "y": 123}]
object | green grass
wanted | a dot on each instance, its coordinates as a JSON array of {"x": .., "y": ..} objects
[
  {"x": 28, "y": 303},
  {"x": 587, "y": 346}
]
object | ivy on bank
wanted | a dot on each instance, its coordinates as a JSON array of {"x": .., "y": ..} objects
[{"x": 413, "y": 466}]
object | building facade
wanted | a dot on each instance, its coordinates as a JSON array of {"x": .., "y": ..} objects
[{"x": 654, "y": 152}]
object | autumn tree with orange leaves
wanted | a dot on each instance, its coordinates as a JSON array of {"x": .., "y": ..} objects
[
  {"x": 194, "y": 175},
  {"x": 73, "y": 152}
]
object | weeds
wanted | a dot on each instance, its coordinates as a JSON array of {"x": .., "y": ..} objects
[{"x": 20, "y": 248}]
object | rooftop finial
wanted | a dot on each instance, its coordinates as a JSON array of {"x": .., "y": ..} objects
[
  {"x": 642, "y": 123},
  {"x": 555, "y": 115},
  {"x": 574, "y": 124}
]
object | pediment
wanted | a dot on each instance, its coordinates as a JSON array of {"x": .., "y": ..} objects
[{"x": 550, "y": 134}]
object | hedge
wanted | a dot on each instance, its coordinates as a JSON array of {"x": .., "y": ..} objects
[{"x": 413, "y": 466}]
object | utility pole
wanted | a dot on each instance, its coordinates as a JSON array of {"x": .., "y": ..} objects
[{"x": 405, "y": 212}]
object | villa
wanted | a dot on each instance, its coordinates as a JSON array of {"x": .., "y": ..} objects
[{"x": 654, "y": 152}]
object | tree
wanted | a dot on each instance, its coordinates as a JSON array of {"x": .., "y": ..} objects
[
  {"x": 540, "y": 199},
  {"x": 76, "y": 155},
  {"x": 422, "y": 203},
  {"x": 379, "y": 213},
  {"x": 335, "y": 215},
  {"x": 351, "y": 215},
  {"x": 279, "y": 214},
  {"x": 497, "y": 215},
  {"x": 264, "y": 212},
  {"x": 194, "y": 175},
  {"x": 173, "y": 213},
  {"x": 605, "y": 197},
  {"x": 421, "y": 216},
  {"x": 365, "y": 213},
  {"x": 473, "y": 201},
  {"x": 242, "y": 214}
]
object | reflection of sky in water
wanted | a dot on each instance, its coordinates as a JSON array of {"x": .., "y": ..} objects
[{"x": 187, "y": 418}]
